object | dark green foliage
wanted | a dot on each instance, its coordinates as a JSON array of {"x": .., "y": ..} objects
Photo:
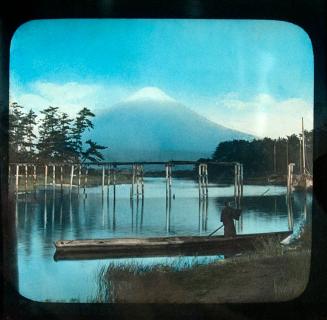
[
  {"x": 81, "y": 124},
  {"x": 92, "y": 153},
  {"x": 257, "y": 156},
  {"x": 50, "y": 135},
  {"x": 60, "y": 137},
  {"x": 21, "y": 133},
  {"x": 16, "y": 131},
  {"x": 29, "y": 122}
]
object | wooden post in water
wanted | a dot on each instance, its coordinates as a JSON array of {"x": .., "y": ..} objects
[
  {"x": 142, "y": 182},
  {"x": 242, "y": 180},
  {"x": 239, "y": 186},
  {"x": 85, "y": 180},
  {"x": 26, "y": 177},
  {"x": 108, "y": 180},
  {"x": 206, "y": 179},
  {"x": 34, "y": 177},
  {"x": 235, "y": 182},
  {"x": 71, "y": 177},
  {"x": 79, "y": 177},
  {"x": 137, "y": 181},
  {"x": 54, "y": 176},
  {"x": 45, "y": 176},
  {"x": 275, "y": 167},
  {"x": 170, "y": 180},
  {"x": 133, "y": 178},
  {"x": 287, "y": 154},
  {"x": 114, "y": 178},
  {"x": 167, "y": 182},
  {"x": 199, "y": 178},
  {"x": 61, "y": 178},
  {"x": 103, "y": 177}
]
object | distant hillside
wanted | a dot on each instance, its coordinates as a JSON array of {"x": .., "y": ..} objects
[{"x": 152, "y": 126}]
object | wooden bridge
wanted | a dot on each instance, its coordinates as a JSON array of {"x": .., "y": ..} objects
[{"x": 53, "y": 171}]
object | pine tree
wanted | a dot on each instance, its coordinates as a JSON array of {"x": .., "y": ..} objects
[
  {"x": 16, "y": 132},
  {"x": 92, "y": 152},
  {"x": 28, "y": 123},
  {"x": 49, "y": 131},
  {"x": 65, "y": 148},
  {"x": 82, "y": 123}
]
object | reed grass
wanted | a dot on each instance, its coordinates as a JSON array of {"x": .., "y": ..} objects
[{"x": 272, "y": 272}]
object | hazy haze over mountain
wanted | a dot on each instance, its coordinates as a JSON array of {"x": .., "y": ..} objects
[{"x": 150, "y": 125}]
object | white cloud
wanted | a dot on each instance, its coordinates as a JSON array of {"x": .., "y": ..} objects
[
  {"x": 70, "y": 97},
  {"x": 263, "y": 115}
]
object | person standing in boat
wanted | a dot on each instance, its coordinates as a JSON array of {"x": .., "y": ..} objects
[{"x": 227, "y": 217}]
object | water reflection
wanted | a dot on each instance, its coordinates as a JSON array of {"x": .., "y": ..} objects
[{"x": 46, "y": 216}]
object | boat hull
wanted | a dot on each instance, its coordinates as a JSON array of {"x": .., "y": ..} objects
[{"x": 158, "y": 246}]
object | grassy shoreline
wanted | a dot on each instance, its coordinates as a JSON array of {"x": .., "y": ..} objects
[{"x": 271, "y": 273}]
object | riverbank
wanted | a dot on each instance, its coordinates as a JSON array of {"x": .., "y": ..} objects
[{"x": 272, "y": 273}]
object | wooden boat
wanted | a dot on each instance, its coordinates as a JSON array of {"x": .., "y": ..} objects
[{"x": 159, "y": 246}]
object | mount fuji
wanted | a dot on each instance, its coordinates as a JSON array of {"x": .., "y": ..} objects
[{"x": 152, "y": 126}]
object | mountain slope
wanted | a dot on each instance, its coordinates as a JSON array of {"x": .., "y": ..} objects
[{"x": 152, "y": 128}]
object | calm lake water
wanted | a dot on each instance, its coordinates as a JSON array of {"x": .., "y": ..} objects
[{"x": 45, "y": 217}]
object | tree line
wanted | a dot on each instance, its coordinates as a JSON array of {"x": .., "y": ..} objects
[
  {"x": 52, "y": 137},
  {"x": 262, "y": 157}
]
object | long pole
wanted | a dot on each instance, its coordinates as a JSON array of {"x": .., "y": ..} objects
[{"x": 215, "y": 230}]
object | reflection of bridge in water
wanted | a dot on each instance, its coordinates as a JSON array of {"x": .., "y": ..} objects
[{"x": 55, "y": 174}]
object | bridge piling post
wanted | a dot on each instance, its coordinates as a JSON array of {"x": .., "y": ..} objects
[
  {"x": 85, "y": 181},
  {"x": 61, "y": 178},
  {"x": 114, "y": 178},
  {"x": 108, "y": 180},
  {"x": 142, "y": 182},
  {"x": 53, "y": 176},
  {"x": 34, "y": 177},
  {"x": 26, "y": 177},
  {"x": 133, "y": 180},
  {"x": 103, "y": 178},
  {"x": 71, "y": 177},
  {"x": 45, "y": 176},
  {"x": 79, "y": 178},
  {"x": 166, "y": 167},
  {"x": 137, "y": 176}
]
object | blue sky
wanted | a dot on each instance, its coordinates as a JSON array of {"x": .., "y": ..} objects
[{"x": 242, "y": 74}]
